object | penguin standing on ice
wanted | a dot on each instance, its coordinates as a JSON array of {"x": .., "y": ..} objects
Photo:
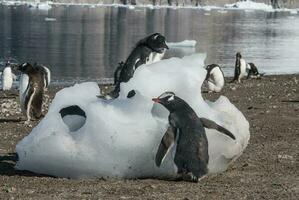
[
  {"x": 148, "y": 50},
  {"x": 214, "y": 78},
  {"x": 187, "y": 131},
  {"x": 34, "y": 79},
  {"x": 240, "y": 68},
  {"x": 7, "y": 77}
]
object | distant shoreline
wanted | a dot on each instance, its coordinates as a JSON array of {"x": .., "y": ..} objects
[{"x": 282, "y": 4}]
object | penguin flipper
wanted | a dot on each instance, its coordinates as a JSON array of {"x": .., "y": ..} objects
[
  {"x": 166, "y": 142},
  {"x": 117, "y": 72},
  {"x": 212, "y": 125},
  {"x": 28, "y": 102}
]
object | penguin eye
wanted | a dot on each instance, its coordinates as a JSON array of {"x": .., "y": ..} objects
[{"x": 171, "y": 98}]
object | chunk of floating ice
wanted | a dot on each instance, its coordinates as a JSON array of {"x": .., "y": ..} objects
[
  {"x": 222, "y": 11},
  {"x": 120, "y": 137},
  {"x": 185, "y": 43},
  {"x": 293, "y": 12},
  {"x": 49, "y": 19}
]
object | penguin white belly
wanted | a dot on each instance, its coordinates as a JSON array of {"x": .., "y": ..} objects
[
  {"x": 242, "y": 68},
  {"x": 216, "y": 80},
  {"x": 155, "y": 57},
  {"x": 7, "y": 78},
  {"x": 23, "y": 84},
  {"x": 47, "y": 79}
]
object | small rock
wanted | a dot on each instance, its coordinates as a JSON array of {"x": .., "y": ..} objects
[
  {"x": 11, "y": 190},
  {"x": 285, "y": 156}
]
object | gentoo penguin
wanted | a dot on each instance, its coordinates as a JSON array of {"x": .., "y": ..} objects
[
  {"x": 240, "y": 68},
  {"x": 24, "y": 81},
  {"x": 7, "y": 77},
  {"x": 214, "y": 78},
  {"x": 187, "y": 131},
  {"x": 148, "y": 50},
  {"x": 252, "y": 71},
  {"x": 32, "y": 86}
]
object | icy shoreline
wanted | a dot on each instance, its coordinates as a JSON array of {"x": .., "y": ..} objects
[{"x": 244, "y": 5}]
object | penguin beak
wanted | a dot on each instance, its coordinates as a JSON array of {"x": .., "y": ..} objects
[
  {"x": 165, "y": 46},
  {"x": 156, "y": 100}
]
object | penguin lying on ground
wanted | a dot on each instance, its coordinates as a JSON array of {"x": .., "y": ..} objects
[
  {"x": 187, "y": 131},
  {"x": 240, "y": 68},
  {"x": 214, "y": 78},
  {"x": 148, "y": 50},
  {"x": 34, "y": 79},
  {"x": 252, "y": 71},
  {"x": 7, "y": 76}
]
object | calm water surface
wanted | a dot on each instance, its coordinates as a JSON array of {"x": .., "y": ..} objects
[{"x": 85, "y": 43}]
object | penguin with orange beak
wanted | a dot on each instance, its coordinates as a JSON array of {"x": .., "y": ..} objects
[{"x": 187, "y": 131}]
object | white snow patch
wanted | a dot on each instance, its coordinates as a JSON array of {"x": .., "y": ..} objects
[
  {"x": 43, "y": 6},
  {"x": 131, "y": 7},
  {"x": 249, "y": 5},
  {"x": 34, "y": 5},
  {"x": 120, "y": 137},
  {"x": 244, "y": 5},
  {"x": 185, "y": 43}
]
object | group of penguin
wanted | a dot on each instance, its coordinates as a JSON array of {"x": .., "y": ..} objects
[
  {"x": 33, "y": 81},
  {"x": 215, "y": 77},
  {"x": 186, "y": 130}
]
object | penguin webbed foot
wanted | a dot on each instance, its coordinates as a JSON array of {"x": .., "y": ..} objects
[
  {"x": 188, "y": 176},
  {"x": 111, "y": 95},
  {"x": 27, "y": 123}
]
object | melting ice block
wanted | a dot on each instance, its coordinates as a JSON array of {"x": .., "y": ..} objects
[{"x": 120, "y": 137}]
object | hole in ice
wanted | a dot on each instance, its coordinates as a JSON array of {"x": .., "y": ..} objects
[{"x": 73, "y": 116}]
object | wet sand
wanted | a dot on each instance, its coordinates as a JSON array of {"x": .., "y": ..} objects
[{"x": 268, "y": 169}]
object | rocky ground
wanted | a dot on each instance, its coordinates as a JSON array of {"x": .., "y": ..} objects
[{"x": 268, "y": 169}]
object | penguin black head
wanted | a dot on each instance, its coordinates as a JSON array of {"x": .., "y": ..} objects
[
  {"x": 156, "y": 42},
  {"x": 238, "y": 55},
  {"x": 7, "y": 63},
  {"x": 168, "y": 100},
  {"x": 25, "y": 67}
]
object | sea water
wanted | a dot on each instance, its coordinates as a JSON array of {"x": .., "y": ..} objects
[{"x": 86, "y": 43}]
